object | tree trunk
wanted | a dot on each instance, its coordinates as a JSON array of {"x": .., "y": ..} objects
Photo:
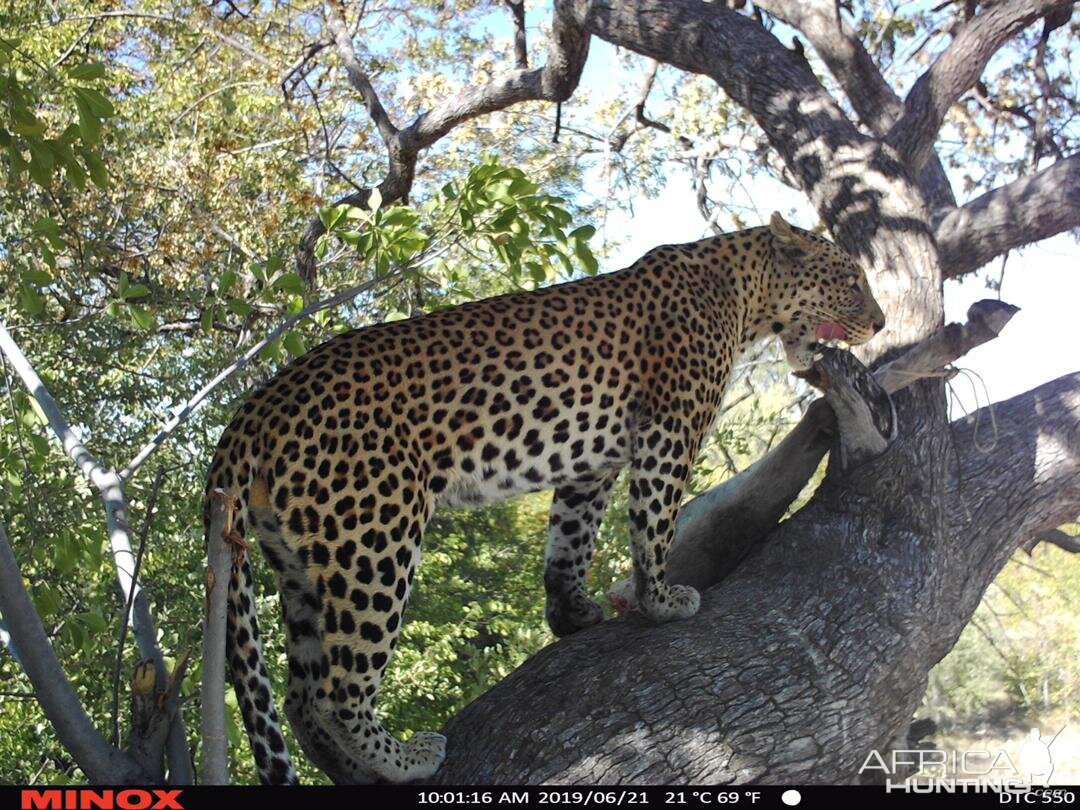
[{"x": 816, "y": 649}]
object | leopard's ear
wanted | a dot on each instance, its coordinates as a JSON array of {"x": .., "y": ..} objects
[{"x": 790, "y": 242}]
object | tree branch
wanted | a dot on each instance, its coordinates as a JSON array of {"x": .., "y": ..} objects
[
  {"x": 102, "y": 763},
  {"x": 871, "y": 203},
  {"x": 568, "y": 48},
  {"x": 214, "y": 738},
  {"x": 1024, "y": 211},
  {"x": 111, "y": 487},
  {"x": 1053, "y": 537},
  {"x": 956, "y": 70},
  {"x": 521, "y": 50},
  {"x": 812, "y": 652},
  {"x": 1017, "y": 469},
  {"x": 754, "y": 500},
  {"x": 358, "y": 77},
  {"x": 873, "y": 99}
]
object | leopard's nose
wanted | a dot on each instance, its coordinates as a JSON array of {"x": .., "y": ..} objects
[{"x": 878, "y": 326}]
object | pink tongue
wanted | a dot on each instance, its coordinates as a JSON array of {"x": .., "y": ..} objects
[{"x": 831, "y": 330}]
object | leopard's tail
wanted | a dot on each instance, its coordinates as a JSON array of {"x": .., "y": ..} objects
[{"x": 244, "y": 650}]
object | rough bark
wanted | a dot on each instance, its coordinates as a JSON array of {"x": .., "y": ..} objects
[
  {"x": 749, "y": 505},
  {"x": 873, "y": 99},
  {"x": 1020, "y": 213},
  {"x": 812, "y": 652}
]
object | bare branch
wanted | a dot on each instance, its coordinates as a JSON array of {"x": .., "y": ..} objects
[
  {"x": 102, "y": 763},
  {"x": 1017, "y": 214},
  {"x": 956, "y": 70},
  {"x": 215, "y": 741},
  {"x": 521, "y": 50},
  {"x": 358, "y": 77},
  {"x": 985, "y": 321},
  {"x": 1054, "y": 537}
]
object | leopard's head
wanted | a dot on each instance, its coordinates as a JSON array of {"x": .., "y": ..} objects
[{"x": 817, "y": 293}]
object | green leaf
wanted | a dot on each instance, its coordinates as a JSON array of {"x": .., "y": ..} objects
[
  {"x": 30, "y": 300},
  {"x": 93, "y": 621},
  {"x": 48, "y": 227},
  {"x": 228, "y": 278},
  {"x": 374, "y": 200},
  {"x": 98, "y": 173},
  {"x": 90, "y": 70},
  {"x": 271, "y": 351},
  {"x": 40, "y": 444},
  {"x": 38, "y": 278},
  {"x": 27, "y": 124},
  {"x": 76, "y": 174},
  {"x": 137, "y": 291},
  {"x": 100, "y": 105},
  {"x": 584, "y": 233},
  {"x": 290, "y": 283},
  {"x": 294, "y": 344},
  {"x": 89, "y": 123},
  {"x": 142, "y": 317},
  {"x": 240, "y": 307},
  {"x": 331, "y": 215}
]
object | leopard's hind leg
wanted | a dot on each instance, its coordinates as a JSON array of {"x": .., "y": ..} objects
[
  {"x": 300, "y": 610},
  {"x": 361, "y": 558},
  {"x": 576, "y": 511}
]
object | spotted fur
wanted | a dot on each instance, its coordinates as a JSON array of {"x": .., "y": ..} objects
[{"x": 338, "y": 462}]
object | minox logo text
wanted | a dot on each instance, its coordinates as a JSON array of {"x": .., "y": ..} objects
[{"x": 89, "y": 799}]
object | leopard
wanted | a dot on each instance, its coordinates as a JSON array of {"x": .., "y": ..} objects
[{"x": 336, "y": 464}]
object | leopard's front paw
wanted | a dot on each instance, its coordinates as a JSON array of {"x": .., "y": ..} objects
[{"x": 665, "y": 603}]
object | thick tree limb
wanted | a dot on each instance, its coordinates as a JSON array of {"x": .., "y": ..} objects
[
  {"x": 111, "y": 487},
  {"x": 1017, "y": 214},
  {"x": 153, "y": 707},
  {"x": 358, "y": 77},
  {"x": 101, "y": 762},
  {"x": 873, "y": 99},
  {"x": 1017, "y": 471},
  {"x": 957, "y": 69},
  {"x": 874, "y": 209}
]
